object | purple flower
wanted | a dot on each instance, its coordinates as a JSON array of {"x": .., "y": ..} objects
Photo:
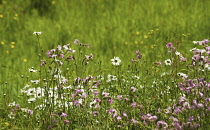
[
  {"x": 133, "y": 121},
  {"x": 200, "y": 105},
  {"x": 133, "y": 89},
  {"x": 119, "y": 97},
  {"x": 177, "y": 110},
  {"x": 119, "y": 118},
  {"x": 110, "y": 100},
  {"x": 64, "y": 114},
  {"x": 162, "y": 124},
  {"x": 111, "y": 110},
  {"x": 95, "y": 92},
  {"x": 105, "y": 94},
  {"x": 140, "y": 106},
  {"x": 97, "y": 106},
  {"x": 78, "y": 90},
  {"x": 66, "y": 121},
  {"x": 139, "y": 56},
  {"x": 182, "y": 99},
  {"x": 30, "y": 112},
  {"x": 169, "y": 45},
  {"x": 138, "y": 52},
  {"x": 98, "y": 100},
  {"x": 73, "y": 95},
  {"x": 153, "y": 118},
  {"x": 191, "y": 118},
  {"x": 208, "y": 48},
  {"x": 62, "y": 55},
  {"x": 76, "y": 102},
  {"x": 124, "y": 114},
  {"x": 76, "y": 41},
  {"x": 182, "y": 59},
  {"x": 133, "y": 104},
  {"x": 95, "y": 113}
]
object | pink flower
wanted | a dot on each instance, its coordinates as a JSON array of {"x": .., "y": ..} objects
[
  {"x": 124, "y": 114},
  {"x": 119, "y": 97},
  {"x": 66, "y": 121},
  {"x": 76, "y": 41},
  {"x": 133, "y": 89},
  {"x": 169, "y": 45},
  {"x": 133, "y": 104},
  {"x": 62, "y": 55},
  {"x": 110, "y": 100},
  {"x": 95, "y": 113},
  {"x": 133, "y": 121},
  {"x": 105, "y": 94},
  {"x": 76, "y": 102},
  {"x": 30, "y": 112},
  {"x": 64, "y": 115},
  {"x": 119, "y": 118}
]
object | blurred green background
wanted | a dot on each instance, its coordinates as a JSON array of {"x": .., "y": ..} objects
[{"x": 111, "y": 27}]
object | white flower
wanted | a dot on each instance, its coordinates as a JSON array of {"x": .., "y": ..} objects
[
  {"x": 207, "y": 66},
  {"x": 168, "y": 62},
  {"x": 30, "y": 100},
  {"x": 116, "y": 61},
  {"x": 11, "y": 115},
  {"x": 184, "y": 76},
  {"x": 11, "y": 104},
  {"x": 39, "y": 92},
  {"x": 193, "y": 49},
  {"x": 37, "y": 33},
  {"x": 177, "y": 53},
  {"x": 31, "y": 91},
  {"x": 35, "y": 81},
  {"x": 111, "y": 78},
  {"x": 32, "y": 70},
  {"x": 196, "y": 42},
  {"x": 24, "y": 89},
  {"x": 164, "y": 73},
  {"x": 65, "y": 47}
]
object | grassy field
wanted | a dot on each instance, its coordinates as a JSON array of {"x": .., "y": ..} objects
[{"x": 52, "y": 81}]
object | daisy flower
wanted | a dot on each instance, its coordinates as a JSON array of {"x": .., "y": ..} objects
[
  {"x": 168, "y": 62},
  {"x": 116, "y": 61},
  {"x": 37, "y": 33}
]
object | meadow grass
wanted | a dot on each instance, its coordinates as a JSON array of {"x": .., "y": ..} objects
[{"x": 52, "y": 81}]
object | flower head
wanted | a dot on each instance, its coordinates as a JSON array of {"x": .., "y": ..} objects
[
  {"x": 37, "y": 33},
  {"x": 169, "y": 45},
  {"x": 168, "y": 62},
  {"x": 116, "y": 61}
]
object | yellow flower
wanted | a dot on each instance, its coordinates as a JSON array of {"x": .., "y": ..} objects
[
  {"x": 136, "y": 42},
  {"x": 15, "y": 18},
  {"x": 141, "y": 42},
  {"x": 137, "y": 33},
  {"x": 25, "y": 60},
  {"x": 6, "y": 123},
  {"x": 1, "y": 15},
  {"x": 12, "y": 46},
  {"x": 2, "y": 43},
  {"x": 16, "y": 15},
  {"x": 12, "y": 43},
  {"x": 126, "y": 43},
  {"x": 7, "y": 52},
  {"x": 53, "y": 2},
  {"x": 145, "y": 36}
]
